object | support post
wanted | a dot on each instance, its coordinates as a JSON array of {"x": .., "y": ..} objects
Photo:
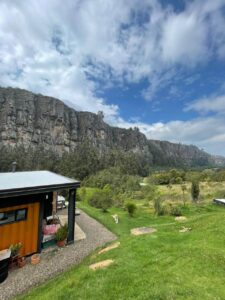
[
  {"x": 71, "y": 216},
  {"x": 40, "y": 235}
]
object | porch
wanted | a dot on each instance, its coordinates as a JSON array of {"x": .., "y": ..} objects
[{"x": 27, "y": 199}]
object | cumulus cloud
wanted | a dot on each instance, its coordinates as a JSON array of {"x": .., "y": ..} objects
[
  {"x": 74, "y": 51},
  {"x": 214, "y": 104}
]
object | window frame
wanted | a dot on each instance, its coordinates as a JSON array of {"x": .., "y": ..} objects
[
  {"x": 25, "y": 216},
  {"x": 15, "y": 211}
]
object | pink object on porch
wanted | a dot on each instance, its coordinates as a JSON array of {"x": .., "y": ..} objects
[{"x": 50, "y": 229}]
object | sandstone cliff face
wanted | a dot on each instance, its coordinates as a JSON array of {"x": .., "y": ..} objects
[
  {"x": 34, "y": 120},
  {"x": 30, "y": 120}
]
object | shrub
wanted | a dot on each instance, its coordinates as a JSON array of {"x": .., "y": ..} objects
[
  {"x": 15, "y": 249},
  {"x": 159, "y": 210},
  {"x": 138, "y": 195},
  {"x": 195, "y": 191},
  {"x": 119, "y": 199},
  {"x": 78, "y": 198},
  {"x": 131, "y": 207},
  {"x": 82, "y": 192},
  {"x": 220, "y": 193},
  {"x": 175, "y": 211},
  {"x": 101, "y": 199},
  {"x": 62, "y": 233},
  {"x": 150, "y": 192}
]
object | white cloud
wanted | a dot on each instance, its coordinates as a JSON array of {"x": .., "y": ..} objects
[
  {"x": 66, "y": 50},
  {"x": 212, "y": 104},
  {"x": 109, "y": 37},
  {"x": 184, "y": 39}
]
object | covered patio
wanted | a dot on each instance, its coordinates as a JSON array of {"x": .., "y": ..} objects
[{"x": 27, "y": 199}]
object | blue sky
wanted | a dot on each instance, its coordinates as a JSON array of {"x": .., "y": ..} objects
[
  {"x": 169, "y": 101},
  {"x": 156, "y": 65}
]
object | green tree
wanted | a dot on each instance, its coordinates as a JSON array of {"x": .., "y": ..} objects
[
  {"x": 184, "y": 189},
  {"x": 195, "y": 191},
  {"x": 101, "y": 199}
]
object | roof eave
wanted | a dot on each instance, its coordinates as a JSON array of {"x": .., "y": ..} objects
[{"x": 38, "y": 190}]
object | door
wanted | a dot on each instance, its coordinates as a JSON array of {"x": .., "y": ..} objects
[{"x": 19, "y": 224}]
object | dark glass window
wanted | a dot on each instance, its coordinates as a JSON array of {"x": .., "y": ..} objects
[
  {"x": 13, "y": 216},
  {"x": 21, "y": 214},
  {"x": 7, "y": 217}
]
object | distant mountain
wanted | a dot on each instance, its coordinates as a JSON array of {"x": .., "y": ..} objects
[{"x": 34, "y": 120}]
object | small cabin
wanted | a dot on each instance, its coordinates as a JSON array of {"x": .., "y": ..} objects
[{"x": 26, "y": 201}]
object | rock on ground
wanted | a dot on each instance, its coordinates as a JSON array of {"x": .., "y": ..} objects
[
  {"x": 143, "y": 230},
  {"x": 113, "y": 246},
  {"x": 180, "y": 219},
  {"x": 101, "y": 264}
]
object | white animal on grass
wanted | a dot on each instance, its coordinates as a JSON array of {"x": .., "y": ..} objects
[{"x": 116, "y": 219}]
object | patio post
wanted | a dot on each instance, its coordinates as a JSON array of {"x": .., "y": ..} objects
[{"x": 71, "y": 216}]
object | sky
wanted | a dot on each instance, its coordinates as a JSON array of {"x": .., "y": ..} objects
[{"x": 156, "y": 65}]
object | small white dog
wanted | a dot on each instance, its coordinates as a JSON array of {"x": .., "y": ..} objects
[{"x": 116, "y": 219}]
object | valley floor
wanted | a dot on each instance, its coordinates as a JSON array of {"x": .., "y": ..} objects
[{"x": 164, "y": 265}]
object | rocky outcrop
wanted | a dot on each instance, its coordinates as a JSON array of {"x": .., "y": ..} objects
[
  {"x": 35, "y": 120},
  {"x": 30, "y": 120}
]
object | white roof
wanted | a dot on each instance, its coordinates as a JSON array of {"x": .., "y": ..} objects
[
  {"x": 220, "y": 200},
  {"x": 32, "y": 179}
]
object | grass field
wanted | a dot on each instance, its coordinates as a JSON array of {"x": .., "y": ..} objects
[
  {"x": 208, "y": 191},
  {"x": 165, "y": 265}
]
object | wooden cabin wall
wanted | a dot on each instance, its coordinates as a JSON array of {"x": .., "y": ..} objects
[{"x": 29, "y": 231}]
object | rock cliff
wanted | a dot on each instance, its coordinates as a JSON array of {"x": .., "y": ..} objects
[{"x": 34, "y": 120}]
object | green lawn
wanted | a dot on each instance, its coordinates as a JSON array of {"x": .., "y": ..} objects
[{"x": 164, "y": 265}]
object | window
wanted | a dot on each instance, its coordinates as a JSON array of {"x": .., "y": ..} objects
[
  {"x": 13, "y": 216},
  {"x": 21, "y": 214},
  {"x": 7, "y": 217}
]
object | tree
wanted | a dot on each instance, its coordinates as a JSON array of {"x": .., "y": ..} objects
[
  {"x": 195, "y": 191},
  {"x": 151, "y": 192},
  {"x": 101, "y": 199},
  {"x": 184, "y": 189}
]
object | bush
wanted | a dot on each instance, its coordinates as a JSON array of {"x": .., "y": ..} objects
[
  {"x": 82, "y": 192},
  {"x": 195, "y": 191},
  {"x": 78, "y": 198},
  {"x": 119, "y": 199},
  {"x": 220, "y": 193},
  {"x": 15, "y": 249},
  {"x": 159, "y": 210},
  {"x": 113, "y": 177},
  {"x": 138, "y": 195},
  {"x": 150, "y": 192},
  {"x": 131, "y": 207},
  {"x": 62, "y": 233},
  {"x": 101, "y": 199},
  {"x": 175, "y": 211}
]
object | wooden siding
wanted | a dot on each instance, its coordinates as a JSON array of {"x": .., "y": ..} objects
[{"x": 25, "y": 231}]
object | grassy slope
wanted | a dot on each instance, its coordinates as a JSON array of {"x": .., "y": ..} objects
[
  {"x": 208, "y": 191},
  {"x": 165, "y": 265}
]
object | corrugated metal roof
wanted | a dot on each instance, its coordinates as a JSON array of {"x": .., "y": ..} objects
[{"x": 33, "y": 180}]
